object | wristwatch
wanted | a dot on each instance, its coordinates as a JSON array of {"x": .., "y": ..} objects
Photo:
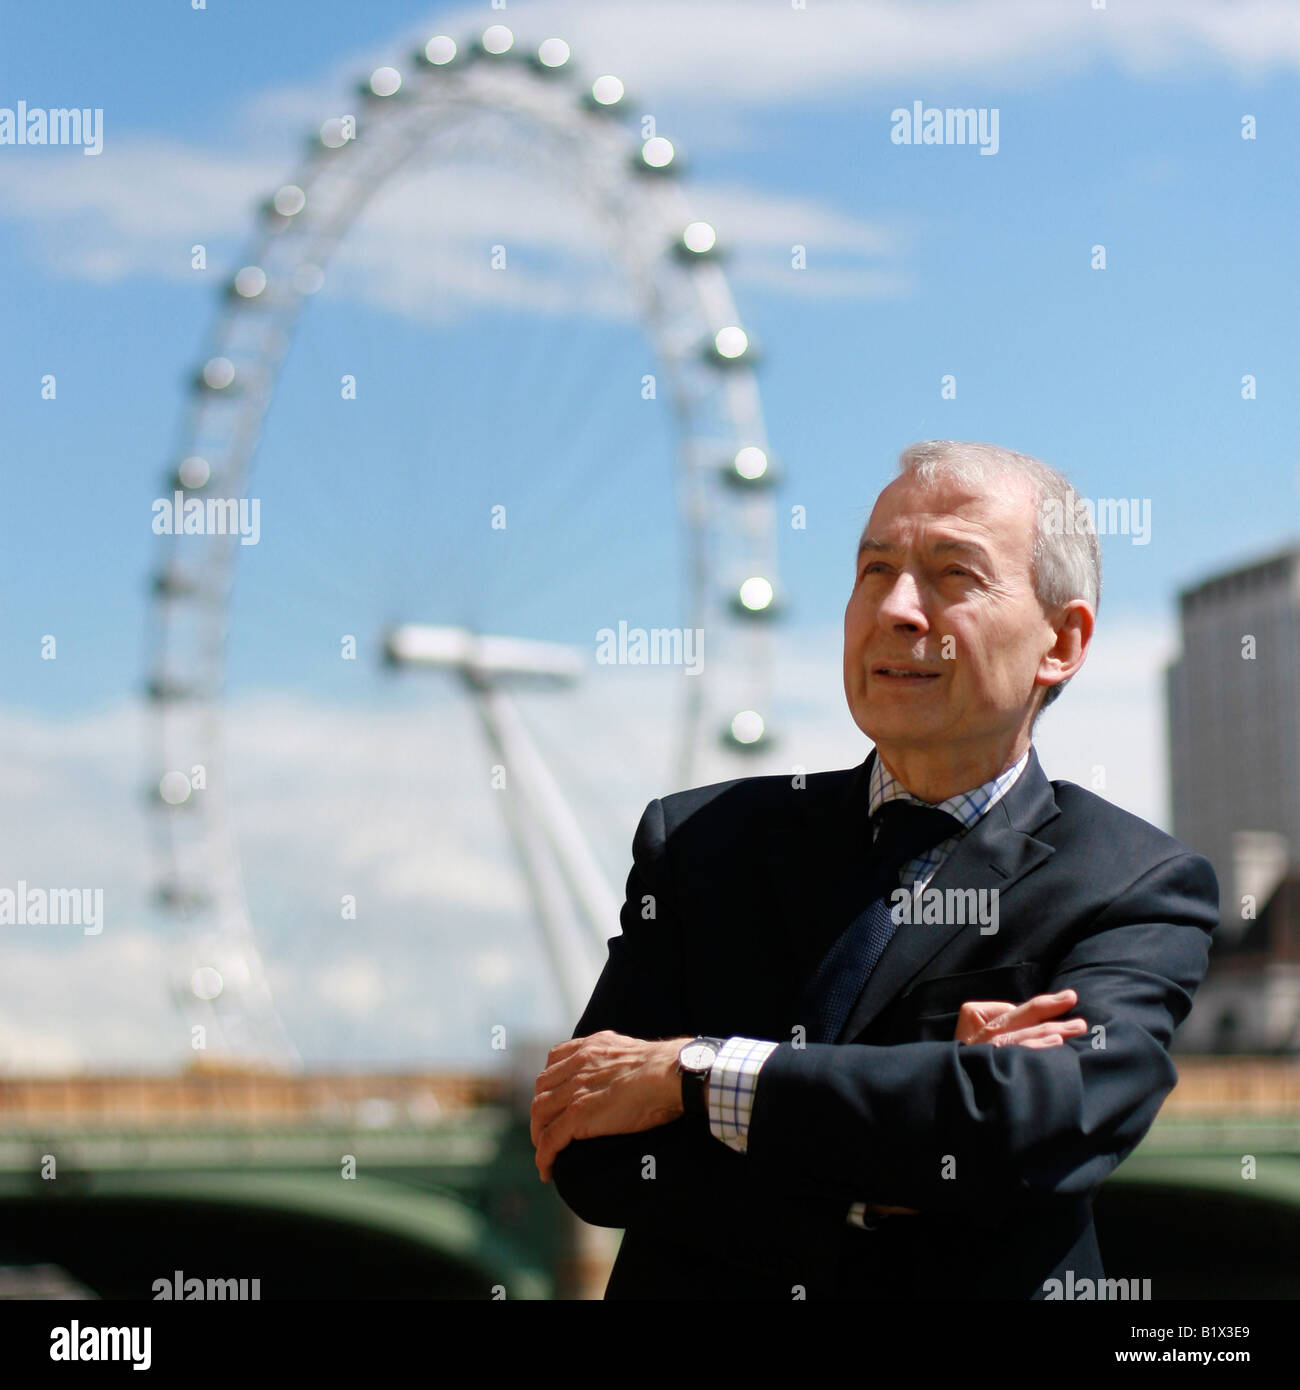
[{"x": 694, "y": 1062}]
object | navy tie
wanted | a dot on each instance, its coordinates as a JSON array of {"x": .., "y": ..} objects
[{"x": 907, "y": 829}]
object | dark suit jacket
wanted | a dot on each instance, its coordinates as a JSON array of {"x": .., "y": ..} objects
[{"x": 999, "y": 1150}]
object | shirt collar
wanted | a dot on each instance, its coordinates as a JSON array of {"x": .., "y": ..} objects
[{"x": 967, "y": 806}]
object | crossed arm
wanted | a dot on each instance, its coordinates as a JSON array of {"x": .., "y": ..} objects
[{"x": 609, "y": 1083}]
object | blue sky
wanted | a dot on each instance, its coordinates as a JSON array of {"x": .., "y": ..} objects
[{"x": 1120, "y": 127}]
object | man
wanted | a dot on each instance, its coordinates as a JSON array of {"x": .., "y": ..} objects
[{"x": 859, "y": 1122}]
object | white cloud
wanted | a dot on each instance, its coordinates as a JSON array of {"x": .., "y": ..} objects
[
  {"x": 88, "y": 1005},
  {"x": 769, "y": 221},
  {"x": 353, "y": 986},
  {"x": 144, "y": 204},
  {"x": 137, "y": 209},
  {"x": 720, "y": 53},
  {"x": 494, "y": 967}
]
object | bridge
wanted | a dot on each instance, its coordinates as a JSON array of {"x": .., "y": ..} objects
[{"x": 421, "y": 1185}]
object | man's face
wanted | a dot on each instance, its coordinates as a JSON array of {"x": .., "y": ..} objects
[{"x": 943, "y": 587}]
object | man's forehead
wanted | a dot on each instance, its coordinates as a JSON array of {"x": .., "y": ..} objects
[
  {"x": 936, "y": 545},
  {"x": 946, "y": 517}
]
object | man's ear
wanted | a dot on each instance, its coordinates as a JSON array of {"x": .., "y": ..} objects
[{"x": 1073, "y": 624}]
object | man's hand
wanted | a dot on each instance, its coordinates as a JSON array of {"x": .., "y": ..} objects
[
  {"x": 1021, "y": 1025},
  {"x": 603, "y": 1084}
]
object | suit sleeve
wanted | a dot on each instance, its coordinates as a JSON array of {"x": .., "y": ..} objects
[
  {"x": 941, "y": 1125},
  {"x": 677, "y": 1177}
]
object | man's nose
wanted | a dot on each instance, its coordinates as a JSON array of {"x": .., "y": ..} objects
[{"x": 903, "y": 604}]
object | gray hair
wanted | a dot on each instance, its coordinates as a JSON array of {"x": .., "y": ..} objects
[{"x": 1066, "y": 560}]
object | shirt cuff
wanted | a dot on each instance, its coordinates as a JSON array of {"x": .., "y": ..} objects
[{"x": 732, "y": 1083}]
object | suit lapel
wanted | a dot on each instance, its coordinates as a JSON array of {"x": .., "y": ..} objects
[{"x": 996, "y": 852}]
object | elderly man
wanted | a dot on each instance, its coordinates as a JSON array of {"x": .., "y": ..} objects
[{"x": 790, "y": 1081}]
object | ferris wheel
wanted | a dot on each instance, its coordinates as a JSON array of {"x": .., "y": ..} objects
[{"x": 510, "y": 105}]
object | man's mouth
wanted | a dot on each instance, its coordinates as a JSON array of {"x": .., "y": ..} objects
[{"x": 904, "y": 673}]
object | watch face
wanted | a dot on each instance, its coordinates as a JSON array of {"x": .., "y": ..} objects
[{"x": 697, "y": 1056}]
